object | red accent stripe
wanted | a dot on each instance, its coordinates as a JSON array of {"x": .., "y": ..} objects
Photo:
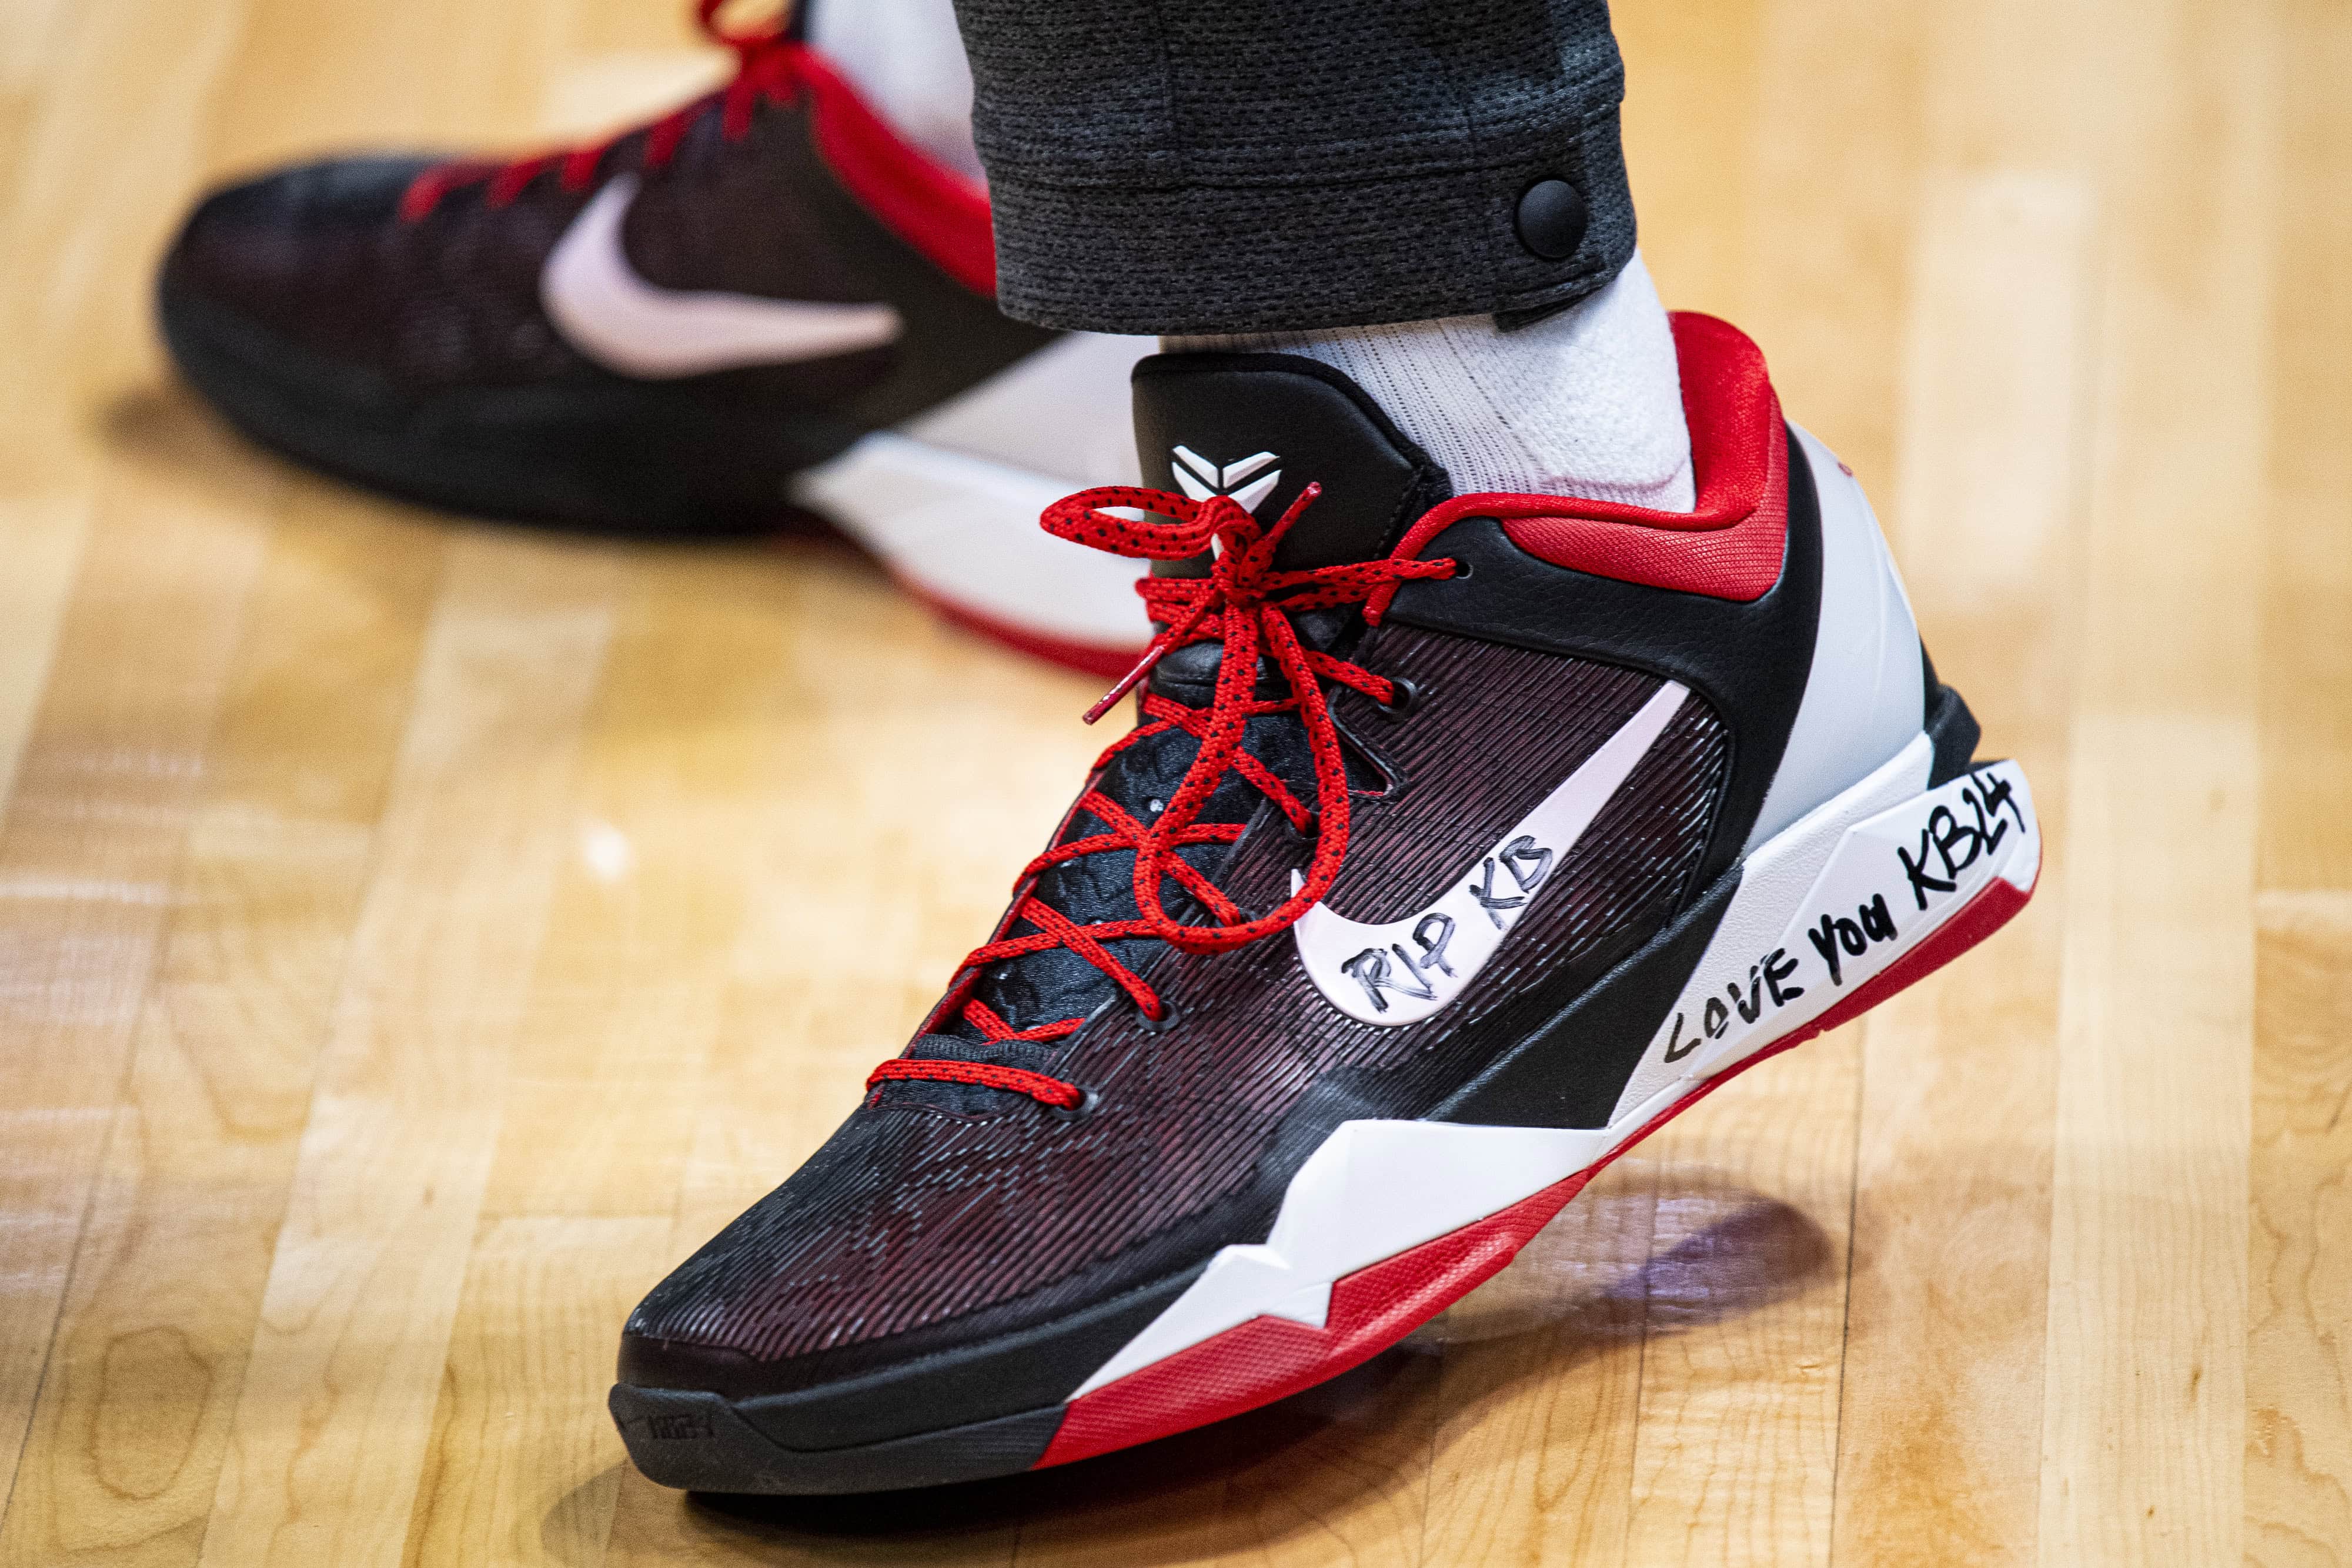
[
  {"x": 932, "y": 208},
  {"x": 1086, "y": 657},
  {"x": 1268, "y": 1358},
  {"x": 1730, "y": 546}
]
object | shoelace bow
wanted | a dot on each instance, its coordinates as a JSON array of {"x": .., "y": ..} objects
[
  {"x": 1246, "y": 605},
  {"x": 768, "y": 65}
]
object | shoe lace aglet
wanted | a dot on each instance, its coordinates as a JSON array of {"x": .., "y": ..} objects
[
  {"x": 1128, "y": 682},
  {"x": 1160, "y": 645}
]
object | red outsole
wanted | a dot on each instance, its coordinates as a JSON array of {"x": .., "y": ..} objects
[
  {"x": 1087, "y": 658},
  {"x": 1270, "y": 1358}
]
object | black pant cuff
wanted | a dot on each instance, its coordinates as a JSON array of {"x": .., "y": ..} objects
[{"x": 1292, "y": 254}]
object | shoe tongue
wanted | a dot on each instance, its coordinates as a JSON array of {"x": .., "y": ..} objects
[{"x": 1261, "y": 428}]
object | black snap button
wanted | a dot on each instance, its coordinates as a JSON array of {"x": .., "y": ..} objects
[{"x": 1551, "y": 219}]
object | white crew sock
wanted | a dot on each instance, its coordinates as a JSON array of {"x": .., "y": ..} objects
[
  {"x": 907, "y": 58},
  {"x": 1587, "y": 402}
]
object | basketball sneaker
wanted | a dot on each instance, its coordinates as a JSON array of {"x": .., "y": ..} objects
[
  {"x": 767, "y": 296},
  {"x": 1460, "y": 841}
]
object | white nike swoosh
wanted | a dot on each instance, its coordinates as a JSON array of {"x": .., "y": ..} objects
[
  {"x": 629, "y": 325},
  {"x": 1403, "y": 971}
]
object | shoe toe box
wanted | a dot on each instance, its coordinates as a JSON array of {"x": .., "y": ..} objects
[
  {"x": 269, "y": 247},
  {"x": 313, "y": 272},
  {"x": 901, "y": 1281}
]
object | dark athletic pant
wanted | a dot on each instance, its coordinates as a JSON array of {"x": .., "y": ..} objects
[{"x": 1229, "y": 165}]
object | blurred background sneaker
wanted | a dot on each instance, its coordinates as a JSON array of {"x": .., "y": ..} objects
[{"x": 780, "y": 294}]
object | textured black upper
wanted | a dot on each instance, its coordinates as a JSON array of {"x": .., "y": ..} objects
[
  {"x": 319, "y": 259},
  {"x": 918, "y": 1212}
]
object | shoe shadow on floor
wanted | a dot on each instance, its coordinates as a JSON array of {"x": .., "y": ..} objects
[
  {"x": 165, "y": 429},
  {"x": 1549, "y": 1350}
]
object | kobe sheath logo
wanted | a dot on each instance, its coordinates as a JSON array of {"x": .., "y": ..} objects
[
  {"x": 1405, "y": 970},
  {"x": 1248, "y": 482},
  {"x": 612, "y": 315}
]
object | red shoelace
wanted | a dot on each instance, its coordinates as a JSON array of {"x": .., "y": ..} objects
[
  {"x": 1246, "y": 605},
  {"x": 768, "y": 65}
]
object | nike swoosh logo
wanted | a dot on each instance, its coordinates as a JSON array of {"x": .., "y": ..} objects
[
  {"x": 1403, "y": 971},
  {"x": 633, "y": 328}
]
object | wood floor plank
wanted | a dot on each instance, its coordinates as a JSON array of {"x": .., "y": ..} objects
[
  {"x": 1826, "y": 280},
  {"x": 2299, "y": 1325},
  {"x": 94, "y": 829},
  {"x": 2144, "y": 1411},
  {"x": 594, "y": 94},
  {"x": 622, "y": 26},
  {"x": 103, "y": 724},
  {"x": 110, "y": 149},
  {"x": 2306, "y": 688},
  {"x": 170, "y": 1262},
  {"x": 1693, "y": 95},
  {"x": 2299, "y": 1344},
  {"x": 429, "y": 75},
  {"x": 1537, "y": 1408},
  {"x": 44, "y": 536},
  {"x": 1939, "y": 1439},
  {"x": 533, "y": 1334},
  {"x": 677, "y": 780},
  {"x": 332, "y": 1419},
  {"x": 1736, "y": 1445}
]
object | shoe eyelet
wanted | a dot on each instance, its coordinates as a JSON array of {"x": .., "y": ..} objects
[
  {"x": 1406, "y": 698},
  {"x": 1077, "y": 1113},
  {"x": 1170, "y": 1017},
  {"x": 1461, "y": 569},
  {"x": 1305, "y": 835}
]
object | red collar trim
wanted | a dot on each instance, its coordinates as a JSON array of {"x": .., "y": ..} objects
[
  {"x": 931, "y": 207},
  {"x": 1730, "y": 546}
]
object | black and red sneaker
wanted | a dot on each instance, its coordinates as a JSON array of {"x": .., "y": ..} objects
[
  {"x": 1460, "y": 842},
  {"x": 768, "y": 296}
]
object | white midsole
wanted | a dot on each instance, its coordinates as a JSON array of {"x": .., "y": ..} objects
[
  {"x": 964, "y": 530},
  {"x": 1376, "y": 1188}
]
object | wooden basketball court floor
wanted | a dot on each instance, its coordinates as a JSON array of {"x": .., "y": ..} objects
[{"x": 415, "y": 936}]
